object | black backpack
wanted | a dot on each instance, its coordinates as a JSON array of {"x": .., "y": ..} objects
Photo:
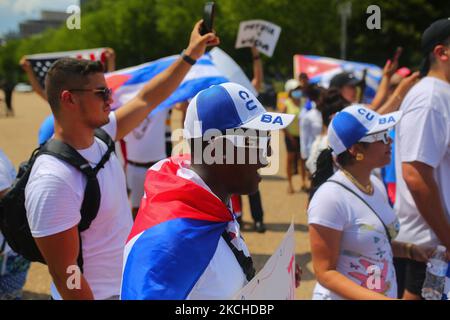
[{"x": 13, "y": 215}]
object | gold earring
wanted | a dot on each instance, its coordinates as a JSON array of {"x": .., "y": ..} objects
[{"x": 359, "y": 156}]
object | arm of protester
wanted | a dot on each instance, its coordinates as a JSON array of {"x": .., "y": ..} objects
[
  {"x": 60, "y": 251},
  {"x": 383, "y": 89},
  {"x": 258, "y": 73},
  {"x": 325, "y": 247},
  {"x": 160, "y": 87},
  {"x": 395, "y": 100},
  {"x": 182, "y": 106},
  {"x": 419, "y": 178},
  {"x": 411, "y": 251},
  {"x": 26, "y": 66},
  {"x": 110, "y": 56}
]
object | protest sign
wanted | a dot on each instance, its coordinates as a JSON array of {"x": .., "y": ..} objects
[
  {"x": 276, "y": 281},
  {"x": 258, "y": 33}
]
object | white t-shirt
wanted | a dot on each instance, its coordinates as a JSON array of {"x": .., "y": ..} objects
[
  {"x": 310, "y": 128},
  {"x": 319, "y": 144},
  {"x": 364, "y": 245},
  {"x": 53, "y": 199},
  {"x": 423, "y": 135},
  {"x": 7, "y": 176},
  {"x": 223, "y": 277},
  {"x": 147, "y": 142}
]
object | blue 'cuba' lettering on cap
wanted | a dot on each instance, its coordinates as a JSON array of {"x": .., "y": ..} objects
[
  {"x": 386, "y": 120},
  {"x": 267, "y": 118},
  {"x": 216, "y": 109},
  {"x": 369, "y": 115},
  {"x": 348, "y": 129},
  {"x": 249, "y": 104}
]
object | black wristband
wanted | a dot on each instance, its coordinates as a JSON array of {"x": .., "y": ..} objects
[
  {"x": 188, "y": 59},
  {"x": 256, "y": 58}
]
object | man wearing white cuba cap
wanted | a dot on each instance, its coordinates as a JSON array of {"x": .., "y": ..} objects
[{"x": 186, "y": 242}]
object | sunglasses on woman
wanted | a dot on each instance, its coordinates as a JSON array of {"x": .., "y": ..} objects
[
  {"x": 380, "y": 136},
  {"x": 105, "y": 93}
]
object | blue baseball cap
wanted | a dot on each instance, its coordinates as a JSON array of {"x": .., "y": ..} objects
[
  {"x": 229, "y": 106},
  {"x": 355, "y": 122}
]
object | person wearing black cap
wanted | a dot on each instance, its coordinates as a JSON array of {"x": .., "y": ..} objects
[
  {"x": 346, "y": 82},
  {"x": 422, "y": 148}
]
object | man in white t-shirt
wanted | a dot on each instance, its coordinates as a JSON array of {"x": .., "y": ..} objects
[
  {"x": 145, "y": 146},
  {"x": 80, "y": 103},
  {"x": 423, "y": 158}
]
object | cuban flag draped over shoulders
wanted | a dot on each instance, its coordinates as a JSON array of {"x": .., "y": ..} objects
[
  {"x": 126, "y": 83},
  {"x": 321, "y": 69},
  {"x": 174, "y": 237}
]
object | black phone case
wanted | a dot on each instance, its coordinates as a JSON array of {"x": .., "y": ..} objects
[{"x": 208, "y": 18}]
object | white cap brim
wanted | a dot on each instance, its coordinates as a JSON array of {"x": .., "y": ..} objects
[
  {"x": 386, "y": 121},
  {"x": 268, "y": 121}
]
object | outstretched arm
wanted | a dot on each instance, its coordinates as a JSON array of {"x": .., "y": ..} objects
[
  {"x": 258, "y": 73},
  {"x": 26, "y": 66},
  {"x": 395, "y": 100},
  {"x": 110, "y": 56},
  {"x": 160, "y": 87}
]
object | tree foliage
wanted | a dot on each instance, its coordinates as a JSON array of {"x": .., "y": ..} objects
[{"x": 143, "y": 30}]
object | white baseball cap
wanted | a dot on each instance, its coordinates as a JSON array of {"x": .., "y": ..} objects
[
  {"x": 229, "y": 106},
  {"x": 355, "y": 122},
  {"x": 291, "y": 84}
]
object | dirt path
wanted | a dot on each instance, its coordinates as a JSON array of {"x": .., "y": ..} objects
[{"x": 18, "y": 137}]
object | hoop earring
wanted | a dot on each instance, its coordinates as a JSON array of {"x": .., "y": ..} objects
[{"x": 359, "y": 156}]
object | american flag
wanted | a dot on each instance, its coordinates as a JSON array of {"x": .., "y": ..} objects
[{"x": 42, "y": 62}]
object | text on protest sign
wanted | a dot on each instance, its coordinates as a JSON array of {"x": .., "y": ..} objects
[{"x": 258, "y": 33}]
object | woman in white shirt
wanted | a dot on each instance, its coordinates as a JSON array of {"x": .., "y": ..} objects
[{"x": 351, "y": 222}]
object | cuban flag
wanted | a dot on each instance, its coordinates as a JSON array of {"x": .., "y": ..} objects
[
  {"x": 174, "y": 237},
  {"x": 126, "y": 83},
  {"x": 321, "y": 69}
]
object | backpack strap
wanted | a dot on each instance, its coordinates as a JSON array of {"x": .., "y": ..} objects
[
  {"x": 102, "y": 135},
  {"x": 245, "y": 262},
  {"x": 364, "y": 201}
]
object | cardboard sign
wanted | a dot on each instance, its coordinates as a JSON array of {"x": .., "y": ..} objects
[
  {"x": 276, "y": 281},
  {"x": 258, "y": 33}
]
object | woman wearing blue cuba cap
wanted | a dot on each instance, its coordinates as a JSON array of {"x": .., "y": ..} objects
[{"x": 352, "y": 225}]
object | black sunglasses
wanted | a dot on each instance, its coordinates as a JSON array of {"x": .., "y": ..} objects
[{"x": 105, "y": 93}]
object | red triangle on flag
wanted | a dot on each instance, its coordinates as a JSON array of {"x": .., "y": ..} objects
[{"x": 313, "y": 67}]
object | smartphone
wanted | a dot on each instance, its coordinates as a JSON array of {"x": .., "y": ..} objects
[{"x": 208, "y": 18}]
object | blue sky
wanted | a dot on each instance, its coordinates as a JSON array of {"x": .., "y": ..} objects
[{"x": 14, "y": 11}]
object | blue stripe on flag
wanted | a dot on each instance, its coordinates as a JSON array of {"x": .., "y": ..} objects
[
  {"x": 168, "y": 259},
  {"x": 150, "y": 71},
  {"x": 188, "y": 90}
]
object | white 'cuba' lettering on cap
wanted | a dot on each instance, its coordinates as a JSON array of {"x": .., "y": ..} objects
[
  {"x": 229, "y": 106},
  {"x": 355, "y": 122}
]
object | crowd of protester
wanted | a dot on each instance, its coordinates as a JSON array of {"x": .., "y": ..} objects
[{"x": 377, "y": 177}]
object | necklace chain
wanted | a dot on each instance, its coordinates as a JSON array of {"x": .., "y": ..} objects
[{"x": 366, "y": 189}]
